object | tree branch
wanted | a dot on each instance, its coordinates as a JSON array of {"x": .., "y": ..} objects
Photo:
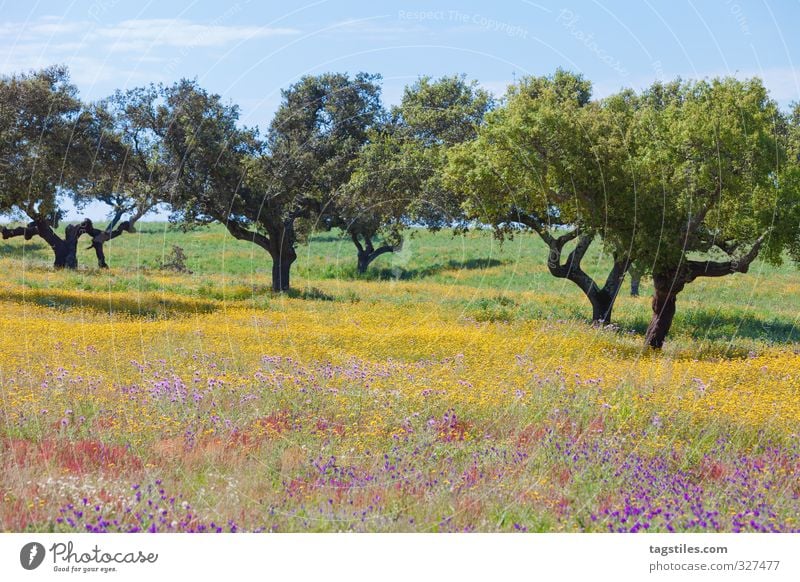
[
  {"x": 356, "y": 242},
  {"x": 617, "y": 274},
  {"x": 696, "y": 220},
  {"x": 695, "y": 269},
  {"x": 533, "y": 222},
  {"x": 571, "y": 269},
  {"x": 103, "y": 236},
  {"x": 43, "y": 230},
  {"x": 241, "y": 233},
  {"x": 27, "y": 231},
  {"x": 381, "y": 250},
  {"x": 305, "y": 206}
]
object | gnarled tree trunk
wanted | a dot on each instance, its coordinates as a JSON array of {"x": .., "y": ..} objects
[
  {"x": 65, "y": 250},
  {"x": 100, "y": 237},
  {"x": 367, "y": 252},
  {"x": 66, "y": 254},
  {"x": 279, "y": 244},
  {"x": 281, "y": 249},
  {"x": 667, "y": 286},
  {"x": 602, "y": 306},
  {"x": 670, "y": 282},
  {"x": 601, "y": 299}
]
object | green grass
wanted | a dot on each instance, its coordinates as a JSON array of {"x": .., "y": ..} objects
[{"x": 736, "y": 311}]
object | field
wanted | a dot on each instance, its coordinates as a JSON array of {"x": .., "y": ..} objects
[{"x": 456, "y": 387}]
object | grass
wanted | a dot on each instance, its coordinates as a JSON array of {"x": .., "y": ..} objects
[{"x": 457, "y": 386}]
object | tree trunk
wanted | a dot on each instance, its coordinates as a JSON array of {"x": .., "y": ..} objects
[
  {"x": 367, "y": 252},
  {"x": 635, "y": 279},
  {"x": 667, "y": 287},
  {"x": 100, "y": 237},
  {"x": 66, "y": 254},
  {"x": 101, "y": 255},
  {"x": 601, "y": 298},
  {"x": 66, "y": 249},
  {"x": 279, "y": 244},
  {"x": 365, "y": 257},
  {"x": 363, "y": 262},
  {"x": 282, "y": 261},
  {"x": 602, "y": 305}
]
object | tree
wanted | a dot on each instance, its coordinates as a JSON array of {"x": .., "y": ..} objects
[
  {"x": 376, "y": 199},
  {"x": 543, "y": 161},
  {"x": 131, "y": 171},
  {"x": 49, "y": 140},
  {"x": 397, "y": 176},
  {"x": 636, "y": 278},
  {"x": 267, "y": 192},
  {"x": 715, "y": 191}
]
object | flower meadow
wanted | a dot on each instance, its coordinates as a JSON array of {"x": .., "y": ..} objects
[{"x": 376, "y": 406}]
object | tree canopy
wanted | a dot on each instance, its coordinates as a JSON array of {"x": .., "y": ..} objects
[
  {"x": 270, "y": 192},
  {"x": 50, "y": 143},
  {"x": 397, "y": 175},
  {"x": 556, "y": 162},
  {"x": 713, "y": 190},
  {"x": 686, "y": 180}
]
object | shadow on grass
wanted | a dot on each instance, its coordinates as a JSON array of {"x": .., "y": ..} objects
[
  {"x": 311, "y": 294},
  {"x": 141, "y": 305},
  {"x": 326, "y": 238},
  {"x": 399, "y": 273},
  {"x": 20, "y": 251},
  {"x": 708, "y": 325}
]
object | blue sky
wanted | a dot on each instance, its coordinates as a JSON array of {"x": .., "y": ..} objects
[{"x": 248, "y": 50}]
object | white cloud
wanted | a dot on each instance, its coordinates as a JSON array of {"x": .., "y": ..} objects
[
  {"x": 86, "y": 47},
  {"x": 139, "y": 35},
  {"x": 48, "y": 40}
]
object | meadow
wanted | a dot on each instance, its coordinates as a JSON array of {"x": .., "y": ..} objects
[{"x": 455, "y": 387}]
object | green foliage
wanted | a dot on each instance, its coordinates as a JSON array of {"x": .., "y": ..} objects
[
  {"x": 446, "y": 111},
  {"x": 502, "y": 169},
  {"x": 681, "y": 169},
  {"x": 131, "y": 171},
  {"x": 708, "y": 159},
  {"x": 386, "y": 180},
  {"x": 319, "y": 128},
  {"x": 396, "y": 179},
  {"x": 47, "y": 141},
  {"x": 208, "y": 152}
]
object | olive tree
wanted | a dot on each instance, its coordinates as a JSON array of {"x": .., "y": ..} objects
[
  {"x": 49, "y": 143},
  {"x": 716, "y": 190},
  {"x": 556, "y": 162},
  {"x": 397, "y": 176},
  {"x": 267, "y": 192}
]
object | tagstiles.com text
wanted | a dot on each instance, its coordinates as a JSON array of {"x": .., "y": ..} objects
[{"x": 682, "y": 550}]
